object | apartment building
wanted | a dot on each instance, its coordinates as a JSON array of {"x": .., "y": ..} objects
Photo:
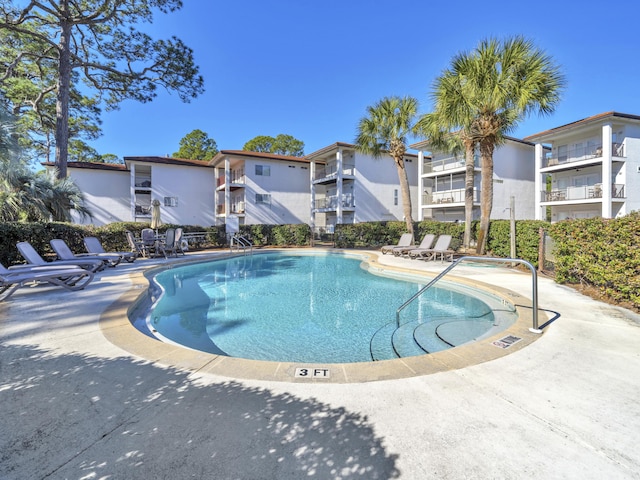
[
  {"x": 591, "y": 168},
  {"x": 442, "y": 182},
  {"x": 348, "y": 186},
  {"x": 260, "y": 188},
  {"x": 124, "y": 192}
]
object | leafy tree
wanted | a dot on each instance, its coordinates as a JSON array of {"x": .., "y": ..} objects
[
  {"x": 197, "y": 145},
  {"x": 95, "y": 40},
  {"x": 287, "y": 145},
  {"x": 281, "y": 145},
  {"x": 486, "y": 93},
  {"x": 385, "y": 130}
]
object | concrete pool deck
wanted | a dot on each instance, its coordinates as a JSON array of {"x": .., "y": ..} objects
[{"x": 75, "y": 404}]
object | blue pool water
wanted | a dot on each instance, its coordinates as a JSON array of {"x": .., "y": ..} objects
[{"x": 317, "y": 308}]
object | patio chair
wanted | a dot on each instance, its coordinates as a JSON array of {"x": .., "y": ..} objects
[
  {"x": 425, "y": 244},
  {"x": 94, "y": 246},
  {"x": 406, "y": 240},
  {"x": 33, "y": 258},
  {"x": 64, "y": 253},
  {"x": 152, "y": 243},
  {"x": 441, "y": 248},
  {"x": 136, "y": 245},
  {"x": 69, "y": 277},
  {"x": 173, "y": 242}
]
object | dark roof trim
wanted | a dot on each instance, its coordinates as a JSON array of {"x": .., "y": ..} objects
[
  {"x": 263, "y": 155},
  {"x": 425, "y": 143},
  {"x": 92, "y": 166},
  {"x": 168, "y": 161},
  {"x": 584, "y": 121},
  {"x": 348, "y": 146}
]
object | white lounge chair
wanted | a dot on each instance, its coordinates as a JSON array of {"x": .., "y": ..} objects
[
  {"x": 69, "y": 277},
  {"x": 33, "y": 258},
  {"x": 425, "y": 244},
  {"x": 64, "y": 253},
  {"x": 406, "y": 240},
  {"x": 94, "y": 247}
]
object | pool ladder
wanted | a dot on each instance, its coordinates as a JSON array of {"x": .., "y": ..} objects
[{"x": 239, "y": 243}]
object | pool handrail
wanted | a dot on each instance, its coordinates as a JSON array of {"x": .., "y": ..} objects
[
  {"x": 534, "y": 287},
  {"x": 241, "y": 243}
]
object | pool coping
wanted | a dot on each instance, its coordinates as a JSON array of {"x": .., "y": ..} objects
[{"x": 118, "y": 329}]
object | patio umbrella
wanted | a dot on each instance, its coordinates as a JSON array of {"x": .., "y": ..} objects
[{"x": 155, "y": 215}]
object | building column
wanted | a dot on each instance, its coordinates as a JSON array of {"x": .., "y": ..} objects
[
  {"x": 539, "y": 210},
  {"x": 339, "y": 172},
  {"x": 607, "y": 168},
  {"x": 312, "y": 217},
  {"x": 420, "y": 184},
  {"x": 227, "y": 188}
]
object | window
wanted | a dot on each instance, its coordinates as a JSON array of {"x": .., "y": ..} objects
[
  {"x": 170, "y": 201},
  {"x": 263, "y": 198},
  {"x": 395, "y": 197},
  {"x": 264, "y": 170}
]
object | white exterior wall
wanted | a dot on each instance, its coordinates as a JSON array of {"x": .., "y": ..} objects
[
  {"x": 375, "y": 186},
  {"x": 289, "y": 187},
  {"x": 630, "y": 173},
  {"x": 194, "y": 188},
  {"x": 513, "y": 176},
  {"x": 106, "y": 194}
]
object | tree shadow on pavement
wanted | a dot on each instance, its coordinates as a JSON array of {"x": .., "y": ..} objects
[{"x": 78, "y": 416}]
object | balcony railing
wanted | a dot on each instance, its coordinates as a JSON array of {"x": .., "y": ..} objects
[
  {"x": 331, "y": 170},
  {"x": 234, "y": 179},
  {"x": 331, "y": 203},
  {"x": 581, "y": 193},
  {"x": 582, "y": 153},
  {"x": 434, "y": 166},
  {"x": 448, "y": 196}
]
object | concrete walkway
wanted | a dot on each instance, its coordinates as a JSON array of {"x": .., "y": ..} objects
[{"x": 74, "y": 405}]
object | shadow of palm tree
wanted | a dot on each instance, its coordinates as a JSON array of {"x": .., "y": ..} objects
[{"x": 77, "y": 416}]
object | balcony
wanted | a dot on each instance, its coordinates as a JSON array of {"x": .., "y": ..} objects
[
  {"x": 331, "y": 203},
  {"x": 329, "y": 172},
  {"x": 237, "y": 181},
  {"x": 444, "y": 164},
  {"x": 581, "y": 193},
  {"x": 580, "y": 154},
  {"x": 448, "y": 197}
]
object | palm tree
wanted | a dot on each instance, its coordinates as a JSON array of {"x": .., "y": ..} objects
[
  {"x": 488, "y": 92},
  {"x": 385, "y": 130},
  {"x": 433, "y": 127}
]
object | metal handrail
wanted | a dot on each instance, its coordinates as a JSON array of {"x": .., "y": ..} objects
[
  {"x": 241, "y": 243},
  {"x": 534, "y": 287}
]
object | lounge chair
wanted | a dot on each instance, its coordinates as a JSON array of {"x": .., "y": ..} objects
[
  {"x": 69, "y": 277},
  {"x": 33, "y": 258},
  {"x": 94, "y": 246},
  {"x": 406, "y": 240},
  {"x": 441, "y": 248},
  {"x": 64, "y": 253},
  {"x": 425, "y": 244}
]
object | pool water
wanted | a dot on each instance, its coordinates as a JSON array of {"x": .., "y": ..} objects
[{"x": 317, "y": 308}]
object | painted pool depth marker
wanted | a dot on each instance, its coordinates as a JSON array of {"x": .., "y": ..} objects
[{"x": 314, "y": 372}]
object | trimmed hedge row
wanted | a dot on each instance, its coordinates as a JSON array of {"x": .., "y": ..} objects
[
  {"x": 603, "y": 253},
  {"x": 113, "y": 236}
]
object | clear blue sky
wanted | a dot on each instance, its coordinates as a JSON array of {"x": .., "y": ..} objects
[{"x": 310, "y": 68}]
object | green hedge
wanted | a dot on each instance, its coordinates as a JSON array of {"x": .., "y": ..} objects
[{"x": 603, "y": 253}]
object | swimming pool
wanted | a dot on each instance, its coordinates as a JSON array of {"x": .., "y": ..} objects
[{"x": 316, "y": 308}]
